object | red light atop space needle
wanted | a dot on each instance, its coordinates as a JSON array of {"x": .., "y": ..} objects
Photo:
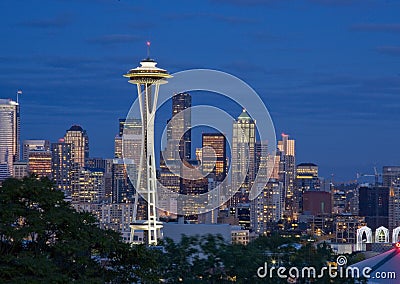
[{"x": 148, "y": 43}]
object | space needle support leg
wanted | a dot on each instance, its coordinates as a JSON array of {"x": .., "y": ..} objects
[{"x": 151, "y": 173}]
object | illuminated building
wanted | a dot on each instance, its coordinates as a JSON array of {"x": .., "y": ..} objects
[
  {"x": 287, "y": 174},
  {"x": 242, "y": 213},
  {"x": 172, "y": 182},
  {"x": 267, "y": 207},
  {"x": 61, "y": 154},
  {"x": 239, "y": 235},
  {"x": 127, "y": 148},
  {"x": 88, "y": 186},
  {"x": 80, "y": 144},
  {"x": 243, "y": 157},
  {"x": 214, "y": 160},
  {"x": 394, "y": 207},
  {"x": 28, "y": 145},
  {"x": 391, "y": 175},
  {"x": 9, "y": 135},
  {"x": 346, "y": 227},
  {"x": 147, "y": 79},
  {"x": 178, "y": 149},
  {"x": 192, "y": 185},
  {"x": 122, "y": 188},
  {"x": 39, "y": 163},
  {"x": 306, "y": 179},
  {"x": 181, "y": 131}
]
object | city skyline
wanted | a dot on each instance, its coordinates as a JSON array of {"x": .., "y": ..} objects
[{"x": 347, "y": 96}]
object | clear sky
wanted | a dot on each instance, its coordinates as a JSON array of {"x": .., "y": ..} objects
[{"x": 328, "y": 70}]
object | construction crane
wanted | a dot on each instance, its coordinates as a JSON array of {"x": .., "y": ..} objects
[{"x": 376, "y": 175}]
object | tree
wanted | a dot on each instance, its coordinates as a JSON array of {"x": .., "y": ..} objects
[{"x": 42, "y": 239}]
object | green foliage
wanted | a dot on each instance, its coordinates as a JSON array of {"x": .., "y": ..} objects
[{"x": 42, "y": 239}]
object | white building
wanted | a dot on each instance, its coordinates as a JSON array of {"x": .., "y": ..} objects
[
  {"x": 267, "y": 208},
  {"x": 9, "y": 135}
]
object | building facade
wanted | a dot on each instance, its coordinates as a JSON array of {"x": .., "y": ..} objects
[
  {"x": 79, "y": 140},
  {"x": 214, "y": 158},
  {"x": 267, "y": 208},
  {"x": 374, "y": 205},
  {"x": 61, "y": 156},
  {"x": 9, "y": 135},
  {"x": 243, "y": 157},
  {"x": 28, "y": 145},
  {"x": 39, "y": 163},
  {"x": 287, "y": 175}
]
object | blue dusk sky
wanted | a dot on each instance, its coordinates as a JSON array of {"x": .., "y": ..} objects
[{"x": 327, "y": 70}]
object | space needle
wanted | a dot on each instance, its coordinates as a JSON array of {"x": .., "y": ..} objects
[{"x": 148, "y": 78}]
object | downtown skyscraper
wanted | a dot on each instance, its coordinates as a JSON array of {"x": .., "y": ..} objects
[
  {"x": 61, "y": 154},
  {"x": 9, "y": 136},
  {"x": 179, "y": 135},
  {"x": 287, "y": 175},
  {"x": 182, "y": 102},
  {"x": 79, "y": 140},
  {"x": 214, "y": 160},
  {"x": 178, "y": 149},
  {"x": 243, "y": 157}
]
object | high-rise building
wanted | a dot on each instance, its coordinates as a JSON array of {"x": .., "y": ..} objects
[
  {"x": 267, "y": 208},
  {"x": 178, "y": 145},
  {"x": 122, "y": 187},
  {"x": 61, "y": 154},
  {"x": 214, "y": 155},
  {"x": 89, "y": 186},
  {"x": 391, "y": 175},
  {"x": 181, "y": 130},
  {"x": 192, "y": 184},
  {"x": 394, "y": 207},
  {"x": 9, "y": 135},
  {"x": 80, "y": 144},
  {"x": 306, "y": 179},
  {"x": 178, "y": 150},
  {"x": 287, "y": 174},
  {"x": 172, "y": 182},
  {"x": 131, "y": 143},
  {"x": 374, "y": 205},
  {"x": 39, "y": 163},
  {"x": 261, "y": 157},
  {"x": 28, "y": 145},
  {"x": 127, "y": 151},
  {"x": 243, "y": 157}
]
